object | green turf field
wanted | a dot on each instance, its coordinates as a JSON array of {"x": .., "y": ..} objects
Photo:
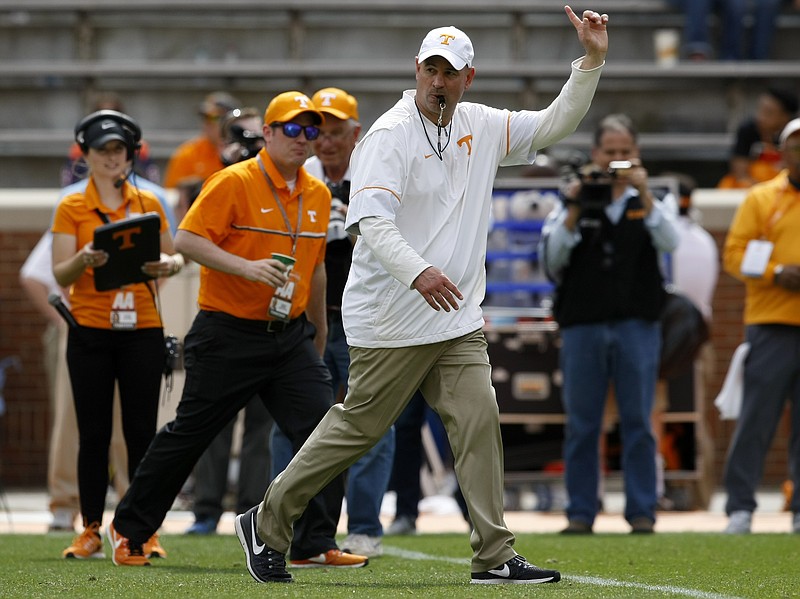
[{"x": 702, "y": 565}]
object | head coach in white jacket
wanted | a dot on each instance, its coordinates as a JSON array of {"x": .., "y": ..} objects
[{"x": 422, "y": 181}]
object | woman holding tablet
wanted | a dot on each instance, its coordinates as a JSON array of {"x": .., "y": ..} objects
[{"x": 119, "y": 339}]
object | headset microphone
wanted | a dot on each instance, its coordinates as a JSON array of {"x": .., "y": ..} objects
[{"x": 121, "y": 181}]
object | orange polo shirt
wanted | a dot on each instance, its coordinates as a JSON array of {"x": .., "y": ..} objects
[
  {"x": 771, "y": 211},
  {"x": 197, "y": 158},
  {"x": 238, "y": 212},
  {"x": 75, "y": 215}
]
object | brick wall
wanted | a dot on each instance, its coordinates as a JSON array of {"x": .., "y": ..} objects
[{"x": 24, "y": 430}]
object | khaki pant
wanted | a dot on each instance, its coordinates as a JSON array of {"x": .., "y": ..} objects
[
  {"x": 455, "y": 378},
  {"x": 62, "y": 467}
]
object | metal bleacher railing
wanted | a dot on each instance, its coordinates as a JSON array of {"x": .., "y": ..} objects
[{"x": 306, "y": 44}]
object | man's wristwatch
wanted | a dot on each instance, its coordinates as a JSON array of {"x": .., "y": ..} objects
[{"x": 777, "y": 272}]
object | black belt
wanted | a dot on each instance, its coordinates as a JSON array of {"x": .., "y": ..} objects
[
  {"x": 277, "y": 326},
  {"x": 272, "y": 326}
]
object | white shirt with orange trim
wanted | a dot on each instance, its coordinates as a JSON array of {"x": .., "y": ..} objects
[{"x": 440, "y": 207}]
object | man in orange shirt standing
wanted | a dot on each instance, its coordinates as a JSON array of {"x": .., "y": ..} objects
[
  {"x": 258, "y": 229},
  {"x": 199, "y": 157},
  {"x": 762, "y": 249}
]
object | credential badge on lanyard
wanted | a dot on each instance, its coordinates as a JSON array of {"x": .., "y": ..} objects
[
  {"x": 123, "y": 311},
  {"x": 280, "y": 307},
  {"x": 758, "y": 252}
]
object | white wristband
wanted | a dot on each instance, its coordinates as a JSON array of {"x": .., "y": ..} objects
[{"x": 178, "y": 263}]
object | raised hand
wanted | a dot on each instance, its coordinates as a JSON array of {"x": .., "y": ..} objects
[{"x": 592, "y": 35}]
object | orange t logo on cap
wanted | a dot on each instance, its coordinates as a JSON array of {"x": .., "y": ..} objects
[{"x": 446, "y": 37}]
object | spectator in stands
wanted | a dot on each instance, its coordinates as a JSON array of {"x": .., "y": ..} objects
[
  {"x": 762, "y": 250},
  {"x": 732, "y": 27},
  {"x": 75, "y": 168},
  {"x": 368, "y": 477},
  {"x": 422, "y": 182},
  {"x": 601, "y": 250},
  {"x": 755, "y": 156},
  {"x": 241, "y": 135},
  {"x": 199, "y": 157},
  {"x": 261, "y": 329},
  {"x": 119, "y": 338}
]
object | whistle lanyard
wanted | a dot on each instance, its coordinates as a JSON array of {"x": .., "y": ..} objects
[{"x": 293, "y": 233}]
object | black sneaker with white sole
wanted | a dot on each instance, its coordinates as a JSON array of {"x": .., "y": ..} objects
[
  {"x": 517, "y": 570},
  {"x": 263, "y": 563}
]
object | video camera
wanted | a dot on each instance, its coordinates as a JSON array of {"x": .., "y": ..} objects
[
  {"x": 594, "y": 193},
  {"x": 241, "y": 144}
]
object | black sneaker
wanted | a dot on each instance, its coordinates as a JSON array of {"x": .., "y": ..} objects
[
  {"x": 264, "y": 564},
  {"x": 517, "y": 570}
]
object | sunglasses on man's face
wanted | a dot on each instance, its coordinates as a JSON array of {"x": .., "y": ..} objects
[{"x": 293, "y": 130}]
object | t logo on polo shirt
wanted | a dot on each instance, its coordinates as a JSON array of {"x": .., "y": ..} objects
[{"x": 467, "y": 139}]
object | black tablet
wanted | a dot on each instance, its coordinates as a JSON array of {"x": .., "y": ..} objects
[{"x": 129, "y": 243}]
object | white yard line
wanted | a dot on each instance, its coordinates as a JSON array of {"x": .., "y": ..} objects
[
  {"x": 593, "y": 580},
  {"x": 658, "y": 588}
]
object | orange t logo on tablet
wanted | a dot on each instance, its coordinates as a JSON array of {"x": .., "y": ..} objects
[{"x": 126, "y": 235}]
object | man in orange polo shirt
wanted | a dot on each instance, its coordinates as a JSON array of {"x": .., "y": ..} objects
[{"x": 258, "y": 229}]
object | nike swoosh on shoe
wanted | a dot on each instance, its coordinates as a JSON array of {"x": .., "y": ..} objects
[
  {"x": 257, "y": 547},
  {"x": 505, "y": 572}
]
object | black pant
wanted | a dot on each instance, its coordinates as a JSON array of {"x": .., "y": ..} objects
[
  {"x": 211, "y": 470},
  {"x": 228, "y": 360},
  {"x": 97, "y": 360}
]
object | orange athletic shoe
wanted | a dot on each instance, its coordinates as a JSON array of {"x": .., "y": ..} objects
[
  {"x": 86, "y": 545},
  {"x": 123, "y": 551},
  {"x": 334, "y": 558},
  {"x": 153, "y": 548}
]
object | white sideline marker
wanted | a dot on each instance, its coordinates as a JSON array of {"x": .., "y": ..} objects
[{"x": 593, "y": 580}]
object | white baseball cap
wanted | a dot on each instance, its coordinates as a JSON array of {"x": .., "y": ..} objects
[
  {"x": 791, "y": 128},
  {"x": 451, "y": 44}
]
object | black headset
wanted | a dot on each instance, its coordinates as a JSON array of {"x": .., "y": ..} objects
[{"x": 132, "y": 130}]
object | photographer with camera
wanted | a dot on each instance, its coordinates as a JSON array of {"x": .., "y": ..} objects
[
  {"x": 601, "y": 249},
  {"x": 240, "y": 131}
]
